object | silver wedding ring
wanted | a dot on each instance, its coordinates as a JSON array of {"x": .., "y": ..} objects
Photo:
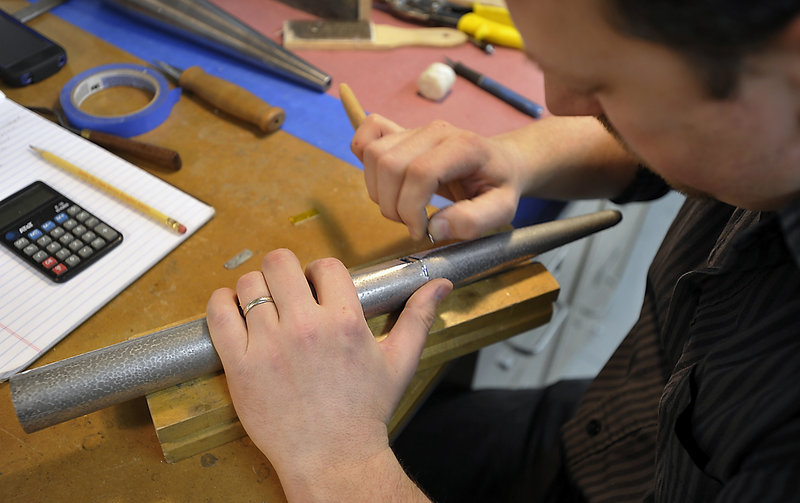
[{"x": 253, "y": 303}]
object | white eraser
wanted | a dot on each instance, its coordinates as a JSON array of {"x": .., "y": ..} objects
[{"x": 435, "y": 82}]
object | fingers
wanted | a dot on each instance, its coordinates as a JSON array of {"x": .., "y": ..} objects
[
  {"x": 471, "y": 218},
  {"x": 452, "y": 158},
  {"x": 405, "y": 342},
  {"x": 374, "y": 126},
  {"x": 249, "y": 288},
  {"x": 291, "y": 292},
  {"x": 402, "y": 172},
  {"x": 225, "y": 325},
  {"x": 334, "y": 285},
  {"x": 375, "y": 132}
]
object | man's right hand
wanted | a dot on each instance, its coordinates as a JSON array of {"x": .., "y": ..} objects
[{"x": 405, "y": 167}]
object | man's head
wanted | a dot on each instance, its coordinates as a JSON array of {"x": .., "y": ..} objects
[
  {"x": 713, "y": 35},
  {"x": 722, "y": 121}
]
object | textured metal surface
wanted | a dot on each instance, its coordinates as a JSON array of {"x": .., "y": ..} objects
[
  {"x": 85, "y": 383},
  {"x": 211, "y": 26},
  {"x": 385, "y": 287}
]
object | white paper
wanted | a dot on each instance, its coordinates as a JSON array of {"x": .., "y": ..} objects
[{"x": 35, "y": 313}]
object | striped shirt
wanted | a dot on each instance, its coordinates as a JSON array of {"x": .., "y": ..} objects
[{"x": 700, "y": 402}]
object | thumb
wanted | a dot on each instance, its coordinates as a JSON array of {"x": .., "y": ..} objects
[
  {"x": 403, "y": 346},
  {"x": 471, "y": 218}
]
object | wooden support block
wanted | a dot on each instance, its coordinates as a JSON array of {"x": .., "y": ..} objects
[{"x": 198, "y": 415}]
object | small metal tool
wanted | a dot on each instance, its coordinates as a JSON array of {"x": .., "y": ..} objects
[
  {"x": 34, "y": 10},
  {"x": 63, "y": 390},
  {"x": 227, "y": 96},
  {"x": 240, "y": 258}
]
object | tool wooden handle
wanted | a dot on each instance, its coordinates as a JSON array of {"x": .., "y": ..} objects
[
  {"x": 232, "y": 99},
  {"x": 389, "y": 37},
  {"x": 351, "y": 106},
  {"x": 160, "y": 156}
]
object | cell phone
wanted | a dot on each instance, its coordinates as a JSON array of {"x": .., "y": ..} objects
[{"x": 26, "y": 56}]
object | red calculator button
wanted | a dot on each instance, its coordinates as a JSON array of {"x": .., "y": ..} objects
[
  {"x": 49, "y": 262},
  {"x": 59, "y": 269}
]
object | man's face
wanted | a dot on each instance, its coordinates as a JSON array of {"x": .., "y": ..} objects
[{"x": 744, "y": 150}]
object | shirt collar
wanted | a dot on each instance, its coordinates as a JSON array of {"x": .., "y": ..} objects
[{"x": 790, "y": 224}]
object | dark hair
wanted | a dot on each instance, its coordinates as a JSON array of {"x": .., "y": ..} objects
[{"x": 714, "y": 35}]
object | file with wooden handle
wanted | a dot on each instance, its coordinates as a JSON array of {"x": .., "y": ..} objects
[
  {"x": 158, "y": 156},
  {"x": 227, "y": 96}
]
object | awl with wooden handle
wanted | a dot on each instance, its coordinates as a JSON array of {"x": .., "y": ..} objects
[
  {"x": 227, "y": 96},
  {"x": 158, "y": 156}
]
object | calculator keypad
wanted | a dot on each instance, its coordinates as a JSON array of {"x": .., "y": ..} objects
[
  {"x": 62, "y": 243},
  {"x": 81, "y": 241}
]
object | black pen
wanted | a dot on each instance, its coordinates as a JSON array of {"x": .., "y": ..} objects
[{"x": 517, "y": 101}]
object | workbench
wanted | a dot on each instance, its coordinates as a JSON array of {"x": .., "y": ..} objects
[{"x": 256, "y": 182}]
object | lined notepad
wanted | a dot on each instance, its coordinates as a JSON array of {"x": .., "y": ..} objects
[{"x": 35, "y": 313}]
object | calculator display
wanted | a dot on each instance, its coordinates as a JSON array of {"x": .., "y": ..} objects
[
  {"x": 24, "y": 202},
  {"x": 52, "y": 234}
]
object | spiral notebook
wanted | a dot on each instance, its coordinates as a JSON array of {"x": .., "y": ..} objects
[{"x": 36, "y": 313}]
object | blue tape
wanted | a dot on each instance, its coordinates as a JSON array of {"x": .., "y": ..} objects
[{"x": 96, "y": 79}]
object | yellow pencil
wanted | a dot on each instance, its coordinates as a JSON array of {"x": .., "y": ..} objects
[{"x": 110, "y": 189}]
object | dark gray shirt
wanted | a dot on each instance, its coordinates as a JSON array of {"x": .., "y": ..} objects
[{"x": 701, "y": 402}]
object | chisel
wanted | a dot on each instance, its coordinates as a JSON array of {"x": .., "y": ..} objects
[{"x": 227, "y": 96}]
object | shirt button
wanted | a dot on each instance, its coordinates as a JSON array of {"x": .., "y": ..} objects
[{"x": 593, "y": 427}]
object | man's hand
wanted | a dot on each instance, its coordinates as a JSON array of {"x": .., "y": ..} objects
[
  {"x": 404, "y": 168},
  {"x": 310, "y": 384}
]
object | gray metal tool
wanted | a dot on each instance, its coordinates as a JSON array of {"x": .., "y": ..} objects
[
  {"x": 205, "y": 23},
  {"x": 36, "y": 9},
  {"x": 85, "y": 383}
]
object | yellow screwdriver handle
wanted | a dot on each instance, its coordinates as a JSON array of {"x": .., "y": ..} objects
[
  {"x": 493, "y": 13},
  {"x": 232, "y": 99},
  {"x": 490, "y": 31}
]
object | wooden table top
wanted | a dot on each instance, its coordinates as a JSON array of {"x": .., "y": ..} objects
[{"x": 255, "y": 182}]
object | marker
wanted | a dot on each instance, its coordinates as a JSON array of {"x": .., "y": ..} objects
[
  {"x": 110, "y": 190},
  {"x": 516, "y": 100}
]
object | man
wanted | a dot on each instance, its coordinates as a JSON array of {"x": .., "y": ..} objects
[{"x": 699, "y": 401}]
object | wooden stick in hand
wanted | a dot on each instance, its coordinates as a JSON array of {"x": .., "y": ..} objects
[{"x": 351, "y": 106}]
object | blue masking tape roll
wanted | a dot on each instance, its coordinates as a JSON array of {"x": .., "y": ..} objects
[{"x": 94, "y": 80}]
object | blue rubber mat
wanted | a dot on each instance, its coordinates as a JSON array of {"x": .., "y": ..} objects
[{"x": 314, "y": 117}]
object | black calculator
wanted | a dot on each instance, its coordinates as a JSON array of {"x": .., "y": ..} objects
[{"x": 54, "y": 235}]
